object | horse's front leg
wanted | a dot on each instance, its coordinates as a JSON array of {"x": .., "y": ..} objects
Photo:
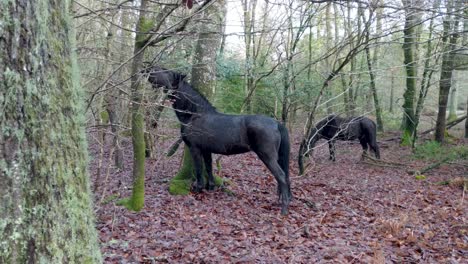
[
  {"x": 197, "y": 161},
  {"x": 331, "y": 148},
  {"x": 209, "y": 170}
]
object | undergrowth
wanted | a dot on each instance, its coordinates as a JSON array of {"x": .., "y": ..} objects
[{"x": 434, "y": 151}]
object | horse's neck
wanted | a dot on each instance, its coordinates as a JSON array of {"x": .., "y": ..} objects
[{"x": 188, "y": 102}]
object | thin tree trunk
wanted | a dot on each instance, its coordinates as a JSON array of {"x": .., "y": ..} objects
[
  {"x": 466, "y": 121},
  {"x": 249, "y": 9},
  {"x": 111, "y": 101},
  {"x": 46, "y": 206},
  {"x": 370, "y": 63},
  {"x": 137, "y": 200},
  {"x": 328, "y": 62},
  {"x": 453, "y": 101},
  {"x": 392, "y": 91},
  {"x": 426, "y": 76}
]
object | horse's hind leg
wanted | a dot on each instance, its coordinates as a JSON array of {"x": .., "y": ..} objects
[
  {"x": 363, "y": 142},
  {"x": 331, "y": 148},
  {"x": 197, "y": 161},
  {"x": 375, "y": 149},
  {"x": 270, "y": 160},
  {"x": 209, "y": 170}
]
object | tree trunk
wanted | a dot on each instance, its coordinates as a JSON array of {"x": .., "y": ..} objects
[
  {"x": 137, "y": 200},
  {"x": 428, "y": 71},
  {"x": 249, "y": 10},
  {"x": 466, "y": 121},
  {"x": 328, "y": 62},
  {"x": 371, "y": 62},
  {"x": 392, "y": 91},
  {"x": 453, "y": 101},
  {"x": 46, "y": 206},
  {"x": 204, "y": 80},
  {"x": 408, "y": 125},
  {"x": 449, "y": 41}
]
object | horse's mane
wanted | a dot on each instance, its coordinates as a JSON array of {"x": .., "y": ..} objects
[{"x": 191, "y": 100}]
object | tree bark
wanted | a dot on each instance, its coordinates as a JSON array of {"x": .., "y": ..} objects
[
  {"x": 428, "y": 71},
  {"x": 452, "y": 103},
  {"x": 449, "y": 41},
  {"x": 249, "y": 9},
  {"x": 408, "y": 125},
  {"x": 371, "y": 62},
  {"x": 46, "y": 207},
  {"x": 137, "y": 200},
  {"x": 466, "y": 121}
]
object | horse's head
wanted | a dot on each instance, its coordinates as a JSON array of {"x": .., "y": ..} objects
[{"x": 168, "y": 79}]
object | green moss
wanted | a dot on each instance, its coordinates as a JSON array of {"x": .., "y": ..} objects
[
  {"x": 182, "y": 182},
  {"x": 110, "y": 198},
  {"x": 406, "y": 138},
  {"x": 105, "y": 117},
  {"x": 420, "y": 177},
  {"x": 144, "y": 26},
  {"x": 179, "y": 187},
  {"x": 137, "y": 199}
]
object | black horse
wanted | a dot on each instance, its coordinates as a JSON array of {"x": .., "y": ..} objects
[
  {"x": 206, "y": 131},
  {"x": 333, "y": 128}
]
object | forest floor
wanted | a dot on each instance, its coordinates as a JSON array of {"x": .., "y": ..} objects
[{"x": 342, "y": 212}]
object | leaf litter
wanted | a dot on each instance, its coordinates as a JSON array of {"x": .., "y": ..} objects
[{"x": 342, "y": 212}]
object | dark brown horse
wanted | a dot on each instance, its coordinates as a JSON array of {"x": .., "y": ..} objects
[
  {"x": 333, "y": 128},
  {"x": 206, "y": 131}
]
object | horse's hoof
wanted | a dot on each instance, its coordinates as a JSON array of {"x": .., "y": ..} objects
[
  {"x": 211, "y": 187},
  {"x": 284, "y": 211},
  {"x": 197, "y": 189}
]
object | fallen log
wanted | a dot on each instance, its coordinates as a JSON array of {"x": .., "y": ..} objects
[{"x": 449, "y": 125}]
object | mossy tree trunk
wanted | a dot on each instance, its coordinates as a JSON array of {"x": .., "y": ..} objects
[
  {"x": 204, "y": 79},
  {"x": 137, "y": 200},
  {"x": 46, "y": 208},
  {"x": 408, "y": 125}
]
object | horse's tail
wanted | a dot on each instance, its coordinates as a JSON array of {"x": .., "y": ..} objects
[
  {"x": 283, "y": 153},
  {"x": 369, "y": 127}
]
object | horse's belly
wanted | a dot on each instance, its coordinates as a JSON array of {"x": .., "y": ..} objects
[{"x": 229, "y": 149}]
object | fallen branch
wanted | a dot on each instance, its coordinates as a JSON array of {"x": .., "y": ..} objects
[
  {"x": 429, "y": 167},
  {"x": 449, "y": 125},
  {"x": 379, "y": 162}
]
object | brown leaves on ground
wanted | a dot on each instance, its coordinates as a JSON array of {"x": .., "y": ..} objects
[{"x": 342, "y": 212}]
